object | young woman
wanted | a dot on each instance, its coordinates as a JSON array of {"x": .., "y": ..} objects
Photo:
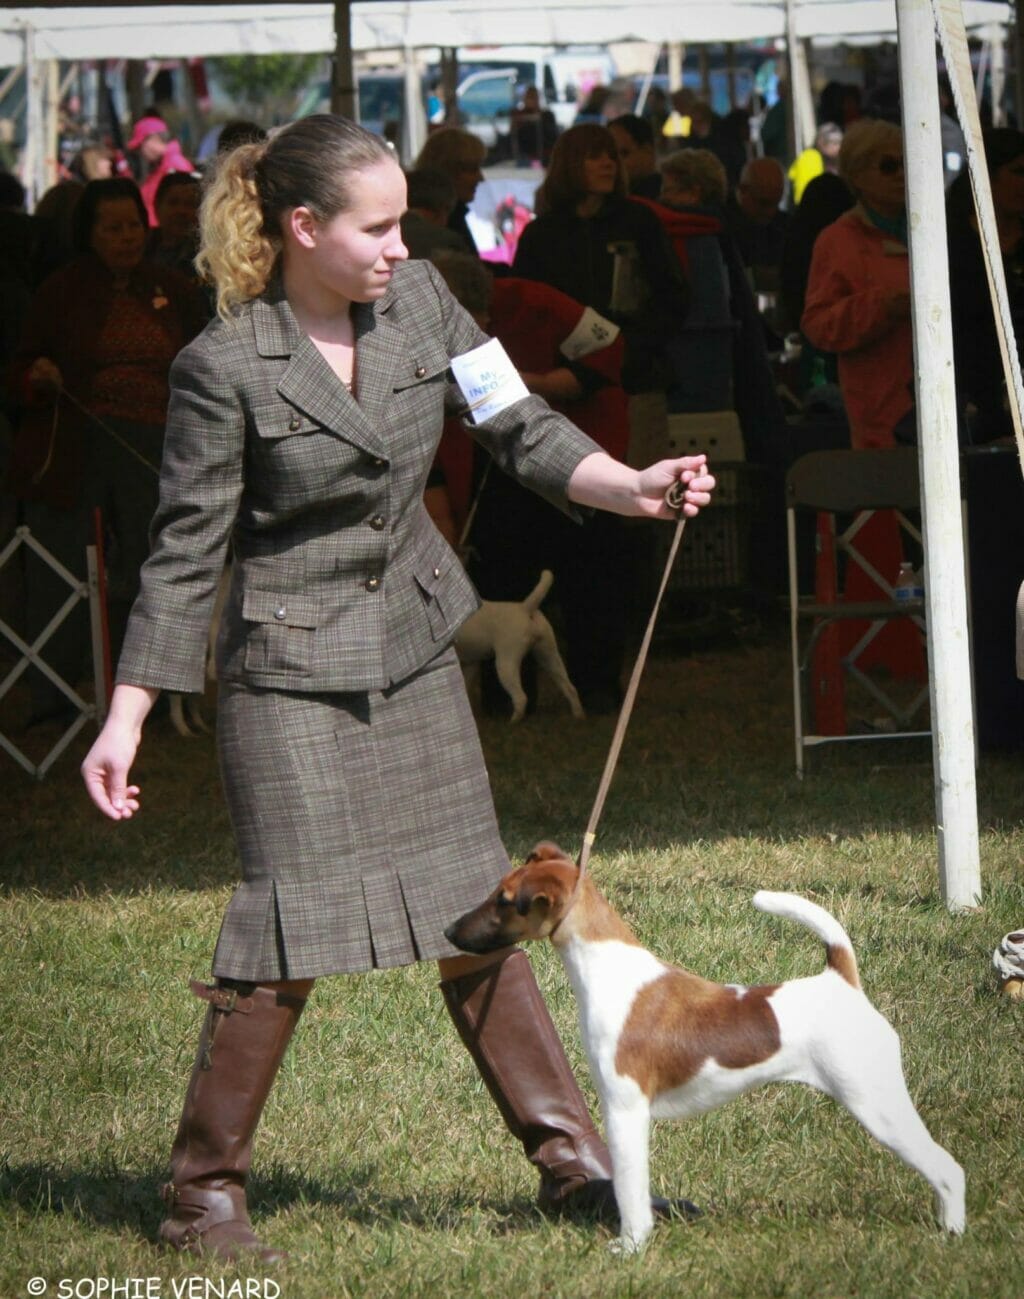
[{"x": 302, "y": 428}]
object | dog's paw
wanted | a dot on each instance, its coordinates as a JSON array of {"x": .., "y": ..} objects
[
  {"x": 951, "y": 1202},
  {"x": 627, "y": 1246}
]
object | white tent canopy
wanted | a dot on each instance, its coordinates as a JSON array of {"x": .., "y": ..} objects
[{"x": 180, "y": 31}]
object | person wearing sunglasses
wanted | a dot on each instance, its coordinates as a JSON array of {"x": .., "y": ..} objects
[
  {"x": 858, "y": 292},
  {"x": 858, "y": 306}
]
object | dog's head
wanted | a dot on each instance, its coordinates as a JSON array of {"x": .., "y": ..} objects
[{"x": 528, "y": 903}]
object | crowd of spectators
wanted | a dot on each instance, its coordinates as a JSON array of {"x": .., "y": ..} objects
[{"x": 694, "y": 262}]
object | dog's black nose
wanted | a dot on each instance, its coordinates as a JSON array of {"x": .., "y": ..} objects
[{"x": 451, "y": 931}]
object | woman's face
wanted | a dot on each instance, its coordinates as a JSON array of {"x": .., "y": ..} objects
[
  {"x": 675, "y": 192},
  {"x": 600, "y": 172},
  {"x": 355, "y": 253},
  {"x": 880, "y": 185},
  {"x": 177, "y": 211},
  {"x": 467, "y": 177},
  {"x": 1008, "y": 188},
  {"x": 118, "y": 235}
]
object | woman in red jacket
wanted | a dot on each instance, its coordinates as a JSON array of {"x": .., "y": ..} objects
[
  {"x": 858, "y": 292},
  {"x": 572, "y": 357}
]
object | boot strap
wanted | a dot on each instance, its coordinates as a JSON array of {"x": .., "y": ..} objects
[
  {"x": 230, "y": 1000},
  {"x": 214, "y": 1209},
  {"x": 226, "y": 1000}
]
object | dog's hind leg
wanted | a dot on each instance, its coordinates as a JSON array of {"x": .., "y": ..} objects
[
  {"x": 627, "y": 1128},
  {"x": 545, "y": 651},
  {"x": 877, "y": 1096},
  {"x": 507, "y": 668}
]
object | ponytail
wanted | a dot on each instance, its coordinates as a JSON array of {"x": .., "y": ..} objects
[{"x": 236, "y": 252}]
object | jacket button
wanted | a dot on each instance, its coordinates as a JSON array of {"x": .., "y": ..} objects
[
  {"x": 372, "y": 583},
  {"x": 280, "y": 612},
  {"x": 294, "y": 424},
  {"x": 377, "y": 523},
  {"x": 437, "y": 572},
  {"x": 420, "y": 371}
]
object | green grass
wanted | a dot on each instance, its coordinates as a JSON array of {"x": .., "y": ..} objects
[{"x": 381, "y": 1163}]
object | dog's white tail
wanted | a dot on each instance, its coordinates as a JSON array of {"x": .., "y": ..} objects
[
  {"x": 791, "y": 906},
  {"x": 536, "y": 597}
]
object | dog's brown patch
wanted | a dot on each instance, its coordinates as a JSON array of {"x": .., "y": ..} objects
[
  {"x": 681, "y": 1020},
  {"x": 596, "y": 921},
  {"x": 591, "y": 916},
  {"x": 842, "y": 960}
]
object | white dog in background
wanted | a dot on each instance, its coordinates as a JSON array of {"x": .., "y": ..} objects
[
  {"x": 508, "y": 630},
  {"x": 505, "y": 630}
]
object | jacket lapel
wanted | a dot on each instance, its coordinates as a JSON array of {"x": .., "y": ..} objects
[
  {"x": 308, "y": 383},
  {"x": 379, "y": 354}
]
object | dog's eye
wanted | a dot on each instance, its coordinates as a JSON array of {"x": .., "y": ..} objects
[{"x": 503, "y": 901}]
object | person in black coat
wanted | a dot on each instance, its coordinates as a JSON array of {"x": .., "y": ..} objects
[
  {"x": 596, "y": 245},
  {"x": 984, "y": 416}
]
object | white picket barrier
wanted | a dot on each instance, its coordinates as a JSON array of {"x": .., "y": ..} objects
[{"x": 30, "y": 655}]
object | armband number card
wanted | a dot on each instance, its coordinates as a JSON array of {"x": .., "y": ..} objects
[{"x": 488, "y": 380}]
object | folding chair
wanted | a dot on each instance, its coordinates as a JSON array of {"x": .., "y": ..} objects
[{"x": 844, "y": 489}]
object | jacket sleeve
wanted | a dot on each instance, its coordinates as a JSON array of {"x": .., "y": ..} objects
[
  {"x": 530, "y": 442},
  {"x": 200, "y": 490},
  {"x": 40, "y": 336},
  {"x": 529, "y": 262},
  {"x": 843, "y": 311}
]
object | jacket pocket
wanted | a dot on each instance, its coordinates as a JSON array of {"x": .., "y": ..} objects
[
  {"x": 285, "y": 422},
  {"x": 434, "y": 580},
  {"x": 281, "y": 637},
  {"x": 429, "y": 364}
]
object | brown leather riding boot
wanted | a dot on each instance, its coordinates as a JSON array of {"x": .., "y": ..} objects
[
  {"x": 244, "y": 1037},
  {"x": 502, "y": 1018}
]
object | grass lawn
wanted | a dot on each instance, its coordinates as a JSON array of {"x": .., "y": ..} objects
[{"x": 381, "y": 1163}]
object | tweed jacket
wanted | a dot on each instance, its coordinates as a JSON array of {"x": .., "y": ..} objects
[{"x": 340, "y": 581}]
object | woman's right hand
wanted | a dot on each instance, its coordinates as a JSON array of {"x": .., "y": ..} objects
[
  {"x": 108, "y": 763},
  {"x": 44, "y": 377}
]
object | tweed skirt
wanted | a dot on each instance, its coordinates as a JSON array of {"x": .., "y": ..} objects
[{"x": 364, "y": 822}]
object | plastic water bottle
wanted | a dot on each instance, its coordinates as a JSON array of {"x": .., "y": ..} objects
[{"x": 909, "y": 585}]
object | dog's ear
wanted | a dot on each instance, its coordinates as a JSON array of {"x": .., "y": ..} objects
[
  {"x": 528, "y": 898},
  {"x": 545, "y": 851}
]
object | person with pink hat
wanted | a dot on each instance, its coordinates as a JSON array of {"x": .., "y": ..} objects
[{"x": 159, "y": 154}]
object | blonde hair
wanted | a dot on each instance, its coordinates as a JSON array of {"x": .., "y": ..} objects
[
  {"x": 697, "y": 169},
  {"x": 307, "y": 164},
  {"x": 864, "y": 142}
]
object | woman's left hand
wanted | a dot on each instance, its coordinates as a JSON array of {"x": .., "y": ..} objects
[{"x": 656, "y": 480}]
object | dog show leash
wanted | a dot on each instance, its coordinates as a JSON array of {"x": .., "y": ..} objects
[
  {"x": 674, "y": 499},
  {"x": 64, "y": 394}
]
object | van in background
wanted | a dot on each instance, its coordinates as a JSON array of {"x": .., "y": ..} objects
[{"x": 490, "y": 84}]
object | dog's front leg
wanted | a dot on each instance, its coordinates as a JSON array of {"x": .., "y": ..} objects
[{"x": 628, "y": 1127}]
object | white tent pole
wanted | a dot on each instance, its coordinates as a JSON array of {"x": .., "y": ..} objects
[
  {"x": 797, "y": 142},
  {"x": 675, "y": 65},
  {"x": 998, "y": 74},
  {"x": 33, "y": 171},
  {"x": 948, "y": 653}
]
